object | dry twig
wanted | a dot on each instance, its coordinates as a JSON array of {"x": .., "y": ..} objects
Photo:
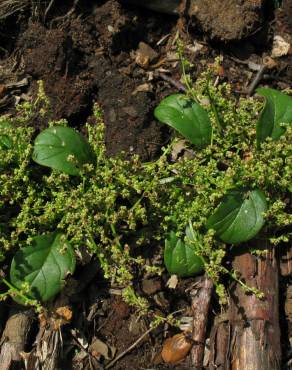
[
  {"x": 48, "y": 9},
  {"x": 173, "y": 82},
  {"x": 201, "y": 297},
  {"x": 256, "y": 80},
  {"x": 9, "y": 7}
]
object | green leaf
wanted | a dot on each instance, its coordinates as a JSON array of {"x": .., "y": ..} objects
[
  {"x": 239, "y": 217},
  {"x": 63, "y": 149},
  {"x": 180, "y": 258},
  {"x": 5, "y": 140},
  {"x": 187, "y": 117},
  {"x": 277, "y": 111},
  {"x": 43, "y": 265}
]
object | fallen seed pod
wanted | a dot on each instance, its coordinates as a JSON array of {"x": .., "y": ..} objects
[{"x": 176, "y": 348}]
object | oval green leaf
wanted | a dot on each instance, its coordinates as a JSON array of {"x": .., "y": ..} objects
[
  {"x": 277, "y": 110},
  {"x": 187, "y": 117},
  {"x": 43, "y": 265},
  {"x": 63, "y": 149},
  {"x": 239, "y": 217},
  {"x": 180, "y": 258}
]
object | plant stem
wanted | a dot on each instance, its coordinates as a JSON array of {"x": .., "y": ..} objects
[
  {"x": 18, "y": 292},
  {"x": 245, "y": 287},
  {"x": 189, "y": 89},
  {"x": 167, "y": 151},
  {"x": 219, "y": 123}
]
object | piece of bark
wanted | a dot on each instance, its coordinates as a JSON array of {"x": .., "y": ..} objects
[
  {"x": 15, "y": 338},
  {"x": 286, "y": 260},
  {"x": 201, "y": 297},
  {"x": 254, "y": 338},
  {"x": 46, "y": 353},
  {"x": 220, "y": 341},
  {"x": 256, "y": 330}
]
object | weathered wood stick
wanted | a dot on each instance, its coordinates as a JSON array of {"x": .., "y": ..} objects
[
  {"x": 201, "y": 297},
  {"x": 250, "y": 330},
  {"x": 256, "y": 330},
  {"x": 14, "y": 339}
]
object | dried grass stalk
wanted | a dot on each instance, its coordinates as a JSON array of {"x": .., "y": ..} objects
[{"x": 9, "y": 7}]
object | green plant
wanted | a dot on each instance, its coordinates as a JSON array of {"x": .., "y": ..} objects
[
  {"x": 180, "y": 256},
  {"x": 276, "y": 114},
  {"x": 115, "y": 208},
  {"x": 243, "y": 209},
  {"x": 5, "y": 141},
  {"x": 43, "y": 265},
  {"x": 63, "y": 149},
  {"x": 239, "y": 217},
  {"x": 187, "y": 117}
]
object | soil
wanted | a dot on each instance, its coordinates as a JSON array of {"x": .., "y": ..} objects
[
  {"x": 95, "y": 55},
  {"x": 228, "y": 19}
]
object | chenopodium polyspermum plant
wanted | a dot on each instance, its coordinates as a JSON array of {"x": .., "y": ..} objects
[
  {"x": 66, "y": 195},
  {"x": 62, "y": 195},
  {"x": 242, "y": 156}
]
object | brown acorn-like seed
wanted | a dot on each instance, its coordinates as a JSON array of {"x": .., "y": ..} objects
[{"x": 176, "y": 348}]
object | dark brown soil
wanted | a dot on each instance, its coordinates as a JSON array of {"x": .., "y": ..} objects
[
  {"x": 82, "y": 62},
  {"x": 228, "y": 19},
  {"x": 91, "y": 57}
]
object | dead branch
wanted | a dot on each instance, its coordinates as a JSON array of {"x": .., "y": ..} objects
[
  {"x": 251, "y": 330},
  {"x": 177, "y": 84},
  {"x": 201, "y": 297},
  {"x": 14, "y": 339},
  {"x": 10, "y": 7}
]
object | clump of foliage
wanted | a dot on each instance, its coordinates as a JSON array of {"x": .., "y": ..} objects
[
  {"x": 240, "y": 151},
  {"x": 117, "y": 208}
]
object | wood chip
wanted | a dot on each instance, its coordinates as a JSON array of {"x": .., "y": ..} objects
[
  {"x": 280, "y": 47},
  {"x": 172, "y": 282}
]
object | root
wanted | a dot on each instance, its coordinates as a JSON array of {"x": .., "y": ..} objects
[{"x": 10, "y": 7}]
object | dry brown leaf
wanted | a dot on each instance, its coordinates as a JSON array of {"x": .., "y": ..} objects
[
  {"x": 65, "y": 313},
  {"x": 142, "y": 88}
]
